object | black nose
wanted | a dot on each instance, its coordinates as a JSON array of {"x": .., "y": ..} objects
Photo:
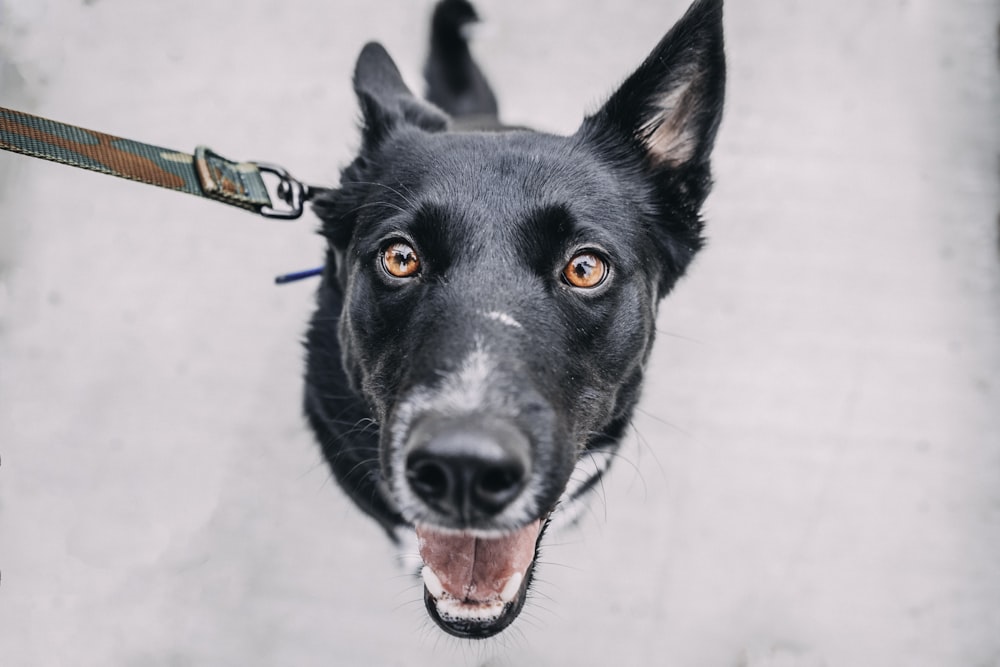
[{"x": 466, "y": 471}]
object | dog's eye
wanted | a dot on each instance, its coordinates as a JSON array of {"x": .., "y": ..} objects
[
  {"x": 400, "y": 260},
  {"x": 586, "y": 270}
]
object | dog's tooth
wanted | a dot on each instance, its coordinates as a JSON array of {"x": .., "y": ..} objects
[
  {"x": 511, "y": 588},
  {"x": 432, "y": 582}
]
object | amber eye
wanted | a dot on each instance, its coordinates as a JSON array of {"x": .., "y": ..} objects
[
  {"x": 585, "y": 270},
  {"x": 400, "y": 260}
]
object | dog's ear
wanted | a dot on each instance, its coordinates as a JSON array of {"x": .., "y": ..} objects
[
  {"x": 671, "y": 106},
  {"x": 386, "y": 102},
  {"x": 664, "y": 119}
]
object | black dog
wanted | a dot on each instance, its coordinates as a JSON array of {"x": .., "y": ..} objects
[{"x": 489, "y": 300}]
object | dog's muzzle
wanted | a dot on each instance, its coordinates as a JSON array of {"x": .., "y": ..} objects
[{"x": 470, "y": 474}]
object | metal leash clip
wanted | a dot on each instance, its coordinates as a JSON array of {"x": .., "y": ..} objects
[{"x": 291, "y": 191}]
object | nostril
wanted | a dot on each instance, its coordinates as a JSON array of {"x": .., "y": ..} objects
[
  {"x": 497, "y": 485},
  {"x": 428, "y": 478},
  {"x": 497, "y": 480}
]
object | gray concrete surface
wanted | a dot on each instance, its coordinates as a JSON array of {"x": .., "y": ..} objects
[{"x": 816, "y": 474}]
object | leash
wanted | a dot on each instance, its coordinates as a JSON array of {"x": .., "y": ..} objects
[{"x": 204, "y": 173}]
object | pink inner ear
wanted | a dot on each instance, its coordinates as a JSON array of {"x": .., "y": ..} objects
[{"x": 669, "y": 135}]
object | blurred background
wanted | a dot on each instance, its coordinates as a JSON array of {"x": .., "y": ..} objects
[{"x": 814, "y": 475}]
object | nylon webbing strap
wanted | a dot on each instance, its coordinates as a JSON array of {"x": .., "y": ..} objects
[{"x": 205, "y": 173}]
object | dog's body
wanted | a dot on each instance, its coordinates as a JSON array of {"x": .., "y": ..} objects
[{"x": 489, "y": 300}]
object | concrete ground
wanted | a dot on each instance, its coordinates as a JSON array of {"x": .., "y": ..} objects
[{"x": 816, "y": 474}]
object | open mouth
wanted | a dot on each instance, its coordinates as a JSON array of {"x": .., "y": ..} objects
[{"x": 474, "y": 587}]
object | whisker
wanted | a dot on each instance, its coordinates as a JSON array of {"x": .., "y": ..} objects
[
  {"x": 669, "y": 334},
  {"x": 391, "y": 189},
  {"x": 663, "y": 421},
  {"x": 656, "y": 459},
  {"x": 377, "y": 203}
]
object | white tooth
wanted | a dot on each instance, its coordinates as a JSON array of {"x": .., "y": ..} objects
[
  {"x": 511, "y": 588},
  {"x": 432, "y": 582}
]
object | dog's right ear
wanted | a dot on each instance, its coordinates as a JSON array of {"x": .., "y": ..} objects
[{"x": 386, "y": 102}]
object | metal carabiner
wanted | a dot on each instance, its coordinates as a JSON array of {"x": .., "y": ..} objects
[{"x": 291, "y": 191}]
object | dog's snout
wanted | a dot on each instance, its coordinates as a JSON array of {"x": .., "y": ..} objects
[{"x": 468, "y": 472}]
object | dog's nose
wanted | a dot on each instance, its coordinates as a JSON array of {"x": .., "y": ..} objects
[{"x": 468, "y": 471}]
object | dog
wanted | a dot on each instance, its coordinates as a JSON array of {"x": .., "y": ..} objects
[{"x": 488, "y": 301}]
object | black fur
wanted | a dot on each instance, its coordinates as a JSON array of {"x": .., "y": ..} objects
[{"x": 494, "y": 217}]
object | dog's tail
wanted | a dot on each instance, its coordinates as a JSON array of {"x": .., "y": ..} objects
[{"x": 454, "y": 81}]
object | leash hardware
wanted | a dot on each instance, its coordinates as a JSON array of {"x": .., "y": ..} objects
[
  {"x": 291, "y": 191},
  {"x": 205, "y": 173}
]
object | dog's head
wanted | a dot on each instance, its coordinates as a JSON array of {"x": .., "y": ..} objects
[{"x": 489, "y": 305}]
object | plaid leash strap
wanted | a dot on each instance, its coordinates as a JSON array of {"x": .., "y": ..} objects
[{"x": 205, "y": 173}]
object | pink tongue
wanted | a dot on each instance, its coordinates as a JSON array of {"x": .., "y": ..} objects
[{"x": 475, "y": 568}]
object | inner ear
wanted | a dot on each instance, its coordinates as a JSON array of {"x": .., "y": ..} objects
[{"x": 670, "y": 132}]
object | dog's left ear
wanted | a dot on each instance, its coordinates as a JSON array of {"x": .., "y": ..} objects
[
  {"x": 667, "y": 114},
  {"x": 672, "y": 104},
  {"x": 386, "y": 102}
]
